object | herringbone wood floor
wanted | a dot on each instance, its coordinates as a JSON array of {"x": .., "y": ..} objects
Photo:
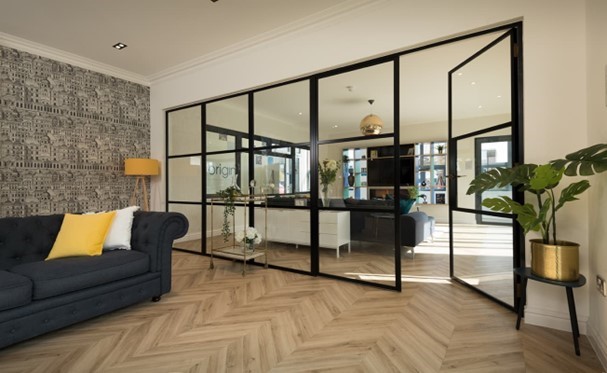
[{"x": 218, "y": 321}]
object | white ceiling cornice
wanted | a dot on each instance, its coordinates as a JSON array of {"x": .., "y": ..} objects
[
  {"x": 11, "y": 41},
  {"x": 315, "y": 20}
]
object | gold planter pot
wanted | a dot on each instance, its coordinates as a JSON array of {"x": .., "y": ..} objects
[{"x": 560, "y": 262}]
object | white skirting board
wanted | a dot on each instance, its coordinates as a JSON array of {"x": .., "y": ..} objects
[
  {"x": 599, "y": 345},
  {"x": 198, "y": 235},
  {"x": 189, "y": 237},
  {"x": 553, "y": 319}
]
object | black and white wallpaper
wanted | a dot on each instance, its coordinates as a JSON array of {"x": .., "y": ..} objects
[{"x": 64, "y": 134}]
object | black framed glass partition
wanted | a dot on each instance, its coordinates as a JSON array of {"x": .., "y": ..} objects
[
  {"x": 184, "y": 172},
  {"x": 373, "y": 123},
  {"x": 357, "y": 227},
  {"x": 281, "y": 164}
]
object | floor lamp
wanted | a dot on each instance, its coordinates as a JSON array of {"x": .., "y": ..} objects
[{"x": 140, "y": 168}]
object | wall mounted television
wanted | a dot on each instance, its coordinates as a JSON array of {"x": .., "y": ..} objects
[{"x": 381, "y": 172}]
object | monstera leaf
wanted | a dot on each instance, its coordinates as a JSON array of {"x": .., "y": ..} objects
[
  {"x": 588, "y": 161},
  {"x": 545, "y": 177},
  {"x": 501, "y": 177},
  {"x": 528, "y": 218},
  {"x": 569, "y": 194}
]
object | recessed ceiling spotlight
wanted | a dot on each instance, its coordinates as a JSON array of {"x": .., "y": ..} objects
[
  {"x": 119, "y": 46},
  {"x": 460, "y": 74},
  {"x": 499, "y": 96},
  {"x": 335, "y": 126},
  {"x": 300, "y": 113},
  {"x": 473, "y": 83},
  {"x": 480, "y": 106}
]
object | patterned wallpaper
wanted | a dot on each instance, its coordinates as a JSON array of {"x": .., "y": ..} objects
[{"x": 64, "y": 134}]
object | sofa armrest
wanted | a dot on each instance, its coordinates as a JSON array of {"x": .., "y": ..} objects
[
  {"x": 153, "y": 233},
  {"x": 412, "y": 228}
]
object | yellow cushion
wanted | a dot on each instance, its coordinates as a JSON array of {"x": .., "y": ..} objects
[{"x": 81, "y": 235}]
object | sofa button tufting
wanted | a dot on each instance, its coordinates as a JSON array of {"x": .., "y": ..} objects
[{"x": 13, "y": 330}]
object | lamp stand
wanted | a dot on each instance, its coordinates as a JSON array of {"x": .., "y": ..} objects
[{"x": 135, "y": 195}]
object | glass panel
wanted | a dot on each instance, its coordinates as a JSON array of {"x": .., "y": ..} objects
[
  {"x": 482, "y": 254},
  {"x": 288, "y": 233},
  {"x": 282, "y": 113},
  {"x": 481, "y": 94},
  {"x": 184, "y": 131},
  {"x": 282, "y": 171},
  {"x": 192, "y": 241},
  {"x": 469, "y": 153},
  {"x": 424, "y": 89},
  {"x": 343, "y": 101},
  {"x": 185, "y": 179},
  {"x": 227, "y": 169},
  {"x": 359, "y": 244},
  {"x": 231, "y": 114},
  {"x": 372, "y": 167},
  {"x": 220, "y": 141}
]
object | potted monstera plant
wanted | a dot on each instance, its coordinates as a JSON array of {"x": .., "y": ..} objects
[{"x": 551, "y": 257}]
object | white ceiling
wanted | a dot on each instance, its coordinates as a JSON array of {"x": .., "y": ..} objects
[{"x": 160, "y": 34}]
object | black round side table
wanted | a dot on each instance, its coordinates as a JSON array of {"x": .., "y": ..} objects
[{"x": 526, "y": 274}]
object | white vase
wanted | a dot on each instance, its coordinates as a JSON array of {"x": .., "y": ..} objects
[{"x": 325, "y": 196}]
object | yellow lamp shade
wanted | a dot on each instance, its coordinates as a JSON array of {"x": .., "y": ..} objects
[{"x": 141, "y": 167}]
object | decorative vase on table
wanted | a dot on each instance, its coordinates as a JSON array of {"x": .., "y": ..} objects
[
  {"x": 249, "y": 247},
  {"x": 327, "y": 170},
  {"x": 249, "y": 237},
  {"x": 559, "y": 262},
  {"x": 351, "y": 177},
  {"x": 325, "y": 195}
]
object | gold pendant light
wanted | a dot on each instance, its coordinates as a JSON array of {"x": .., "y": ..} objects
[{"x": 371, "y": 124}]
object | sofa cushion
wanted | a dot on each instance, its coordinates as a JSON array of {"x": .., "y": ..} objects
[
  {"x": 24, "y": 240},
  {"x": 65, "y": 275},
  {"x": 81, "y": 235},
  {"x": 119, "y": 235},
  {"x": 15, "y": 290}
]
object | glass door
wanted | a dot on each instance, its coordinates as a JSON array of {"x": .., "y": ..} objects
[
  {"x": 491, "y": 152},
  {"x": 484, "y": 104}
]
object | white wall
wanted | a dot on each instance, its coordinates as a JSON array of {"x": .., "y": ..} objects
[
  {"x": 597, "y": 132},
  {"x": 554, "y": 91}
]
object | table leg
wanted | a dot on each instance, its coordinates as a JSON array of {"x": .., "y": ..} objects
[
  {"x": 521, "y": 303},
  {"x": 573, "y": 317}
]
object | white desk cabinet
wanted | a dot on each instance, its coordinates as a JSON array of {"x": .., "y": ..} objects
[{"x": 293, "y": 226}]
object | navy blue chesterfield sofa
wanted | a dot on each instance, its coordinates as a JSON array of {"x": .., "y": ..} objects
[{"x": 38, "y": 296}]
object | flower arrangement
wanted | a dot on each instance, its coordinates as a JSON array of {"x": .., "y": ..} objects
[
  {"x": 249, "y": 236},
  {"x": 328, "y": 170}
]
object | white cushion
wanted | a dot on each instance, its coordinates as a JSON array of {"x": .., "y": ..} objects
[{"x": 119, "y": 235}]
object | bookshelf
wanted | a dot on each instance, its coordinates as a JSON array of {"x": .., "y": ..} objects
[
  {"x": 354, "y": 172},
  {"x": 431, "y": 172}
]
